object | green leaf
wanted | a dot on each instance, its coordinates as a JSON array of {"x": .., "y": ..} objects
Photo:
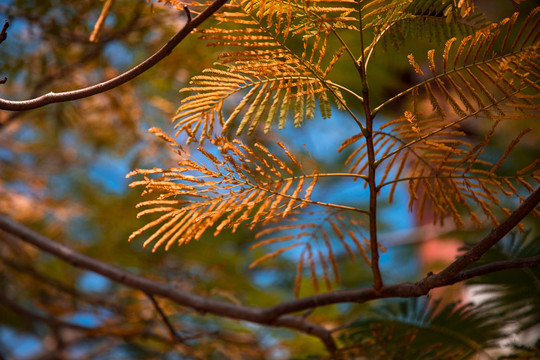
[{"x": 418, "y": 329}]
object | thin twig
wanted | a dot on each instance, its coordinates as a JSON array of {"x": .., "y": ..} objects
[
  {"x": 434, "y": 78},
  {"x": 52, "y": 97},
  {"x": 3, "y": 36},
  {"x": 174, "y": 335},
  {"x": 529, "y": 262},
  {"x": 453, "y": 123},
  {"x": 188, "y": 13},
  {"x": 3, "y": 33},
  {"x": 94, "y": 36}
]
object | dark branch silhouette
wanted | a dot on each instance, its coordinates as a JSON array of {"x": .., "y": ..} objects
[
  {"x": 51, "y": 97},
  {"x": 174, "y": 335},
  {"x": 3, "y": 33},
  {"x": 50, "y": 320}
]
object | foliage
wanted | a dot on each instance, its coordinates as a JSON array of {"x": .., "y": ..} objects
[
  {"x": 513, "y": 294},
  {"x": 444, "y": 100},
  {"x": 283, "y": 62},
  {"x": 415, "y": 329}
]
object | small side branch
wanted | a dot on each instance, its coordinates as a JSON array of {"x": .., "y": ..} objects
[
  {"x": 188, "y": 13},
  {"x": 174, "y": 335},
  {"x": 52, "y": 97},
  {"x": 3, "y": 33}
]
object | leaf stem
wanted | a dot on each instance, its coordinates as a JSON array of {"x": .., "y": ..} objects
[
  {"x": 330, "y": 205},
  {"x": 378, "y": 285},
  {"x": 444, "y": 177}
]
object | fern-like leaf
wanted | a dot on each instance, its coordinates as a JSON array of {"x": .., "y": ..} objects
[
  {"x": 418, "y": 329},
  {"x": 436, "y": 20},
  {"x": 322, "y": 237},
  {"x": 267, "y": 72},
  {"x": 482, "y": 77},
  {"x": 513, "y": 295},
  {"x": 235, "y": 185}
]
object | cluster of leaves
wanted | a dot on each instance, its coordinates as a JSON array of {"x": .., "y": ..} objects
[
  {"x": 286, "y": 57},
  {"x": 269, "y": 70},
  {"x": 227, "y": 196},
  {"x": 432, "y": 152},
  {"x": 287, "y": 53}
]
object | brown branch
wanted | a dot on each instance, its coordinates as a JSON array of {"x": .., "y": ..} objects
[
  {"x": 94, "y": 36},
  {"x": 529, "y": 262},
  {"x": 484, "y": 245},
  {"x": 276, "y": 315},
  {"x": 197, "y": 302},
  {"x": 52, "y": 97},
  {"x": 402, "y": 290},
  {"x": 446, "y": 277},
  {"x": 91, "y": 53}
]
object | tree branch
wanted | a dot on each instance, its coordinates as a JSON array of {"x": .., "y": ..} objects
[
  {"x": 529, "y": 262},
  {"x": 197, "y": 302},
  {"x": 372, "y": 166},
  {"x": 52, "y": 97},
  {"x": 484, "y": 245},
  {"x": 276, "y": 315},
  {"x": 446, "y": 277}
]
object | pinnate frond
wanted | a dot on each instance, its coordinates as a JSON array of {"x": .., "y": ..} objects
[
  {"x": 269, "y": 72},
  {"x": 320, "y": 240},
  {"x": 444, "y": 169},
  {"x": 482, "y": 77},
  {"x": 420, "y": 329},
  {"x": 436, "y": 20},
  {"x": 220, "y": 189},
  {"x": 483, "y": 74}
]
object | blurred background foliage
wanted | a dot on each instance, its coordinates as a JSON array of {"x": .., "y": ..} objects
[{"x": 62, "y": 172}]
